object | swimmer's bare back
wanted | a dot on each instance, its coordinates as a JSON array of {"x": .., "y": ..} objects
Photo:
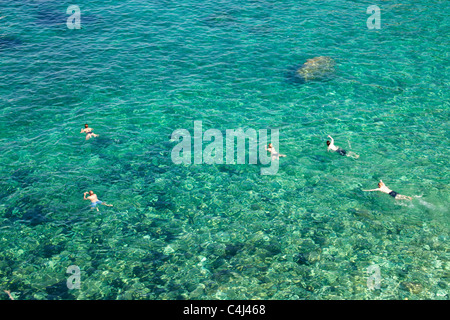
[
  {"x": 383, "y": 188},
  {"x": 94, "y": 200}
]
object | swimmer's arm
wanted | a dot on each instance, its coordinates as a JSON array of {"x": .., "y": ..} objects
[
  {"x": 331, "y": 143},
  {"x": 84, "y": 196},
  {"x": 378, "y": 189},
  {"x": 332, "y": 140}
]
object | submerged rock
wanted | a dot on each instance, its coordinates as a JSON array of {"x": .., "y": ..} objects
[{"x": 318, "y": 68}]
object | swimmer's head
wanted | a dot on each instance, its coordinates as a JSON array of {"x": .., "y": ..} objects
[
  {"x": 328, "y": 143},
  {"x": 91, "y": 192},
  {"x": 270, "y": 145},
  {"x": 380, "y": 184},
  {"x": 86, "y": 125}
]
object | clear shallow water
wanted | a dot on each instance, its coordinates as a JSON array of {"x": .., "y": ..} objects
[{"x": 138, "y": 70}]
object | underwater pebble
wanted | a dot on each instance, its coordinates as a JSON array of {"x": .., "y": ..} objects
[
  {"x": 313, "y": 256},
  {"x": 168, "y": 250},
  {"x": 441, "y": 293},
  {"x": 221, "y": 295},
  {"x": 198, "y": 292},
  {"x": 437, "y": 264},
  {"x": 412, "y": 287}
]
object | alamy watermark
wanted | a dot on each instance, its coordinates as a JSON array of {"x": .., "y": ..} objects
[
  {"x": 213, "y": 153},
  {"x": 374, "y": 279},
  {"x": 374, "y": 21},
  {"x": 74, "y": 21},
  {"x": 74, "y": 281}
]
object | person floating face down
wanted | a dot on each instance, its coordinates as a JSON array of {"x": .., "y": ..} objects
[
  {"x": 342, "y": 152},
  {"x": 89, "y": 132},
  {"x": 383, "y": 188},
  {"x": 273, "y": 153},
  {"x": 94, "y": 200}
]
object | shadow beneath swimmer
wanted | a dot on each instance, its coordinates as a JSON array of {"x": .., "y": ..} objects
[
  {"x": 102, "y": 142},
  {"x": 59, "y": 291},
  {"x": 33, "y": 216},
  {"x": 7, "y": 42}
]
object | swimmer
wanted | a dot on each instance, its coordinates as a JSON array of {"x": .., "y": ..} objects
[
  {"x": 342, "y": 152},
  {"x": 275, "y": 155},
  {"x": 383, "y": 188},
  {"x": 94, "y": 200},
  {"x": 89, "y": 132}
]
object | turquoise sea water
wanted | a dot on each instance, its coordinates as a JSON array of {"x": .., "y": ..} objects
[{"x": 138, "y": 70}]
